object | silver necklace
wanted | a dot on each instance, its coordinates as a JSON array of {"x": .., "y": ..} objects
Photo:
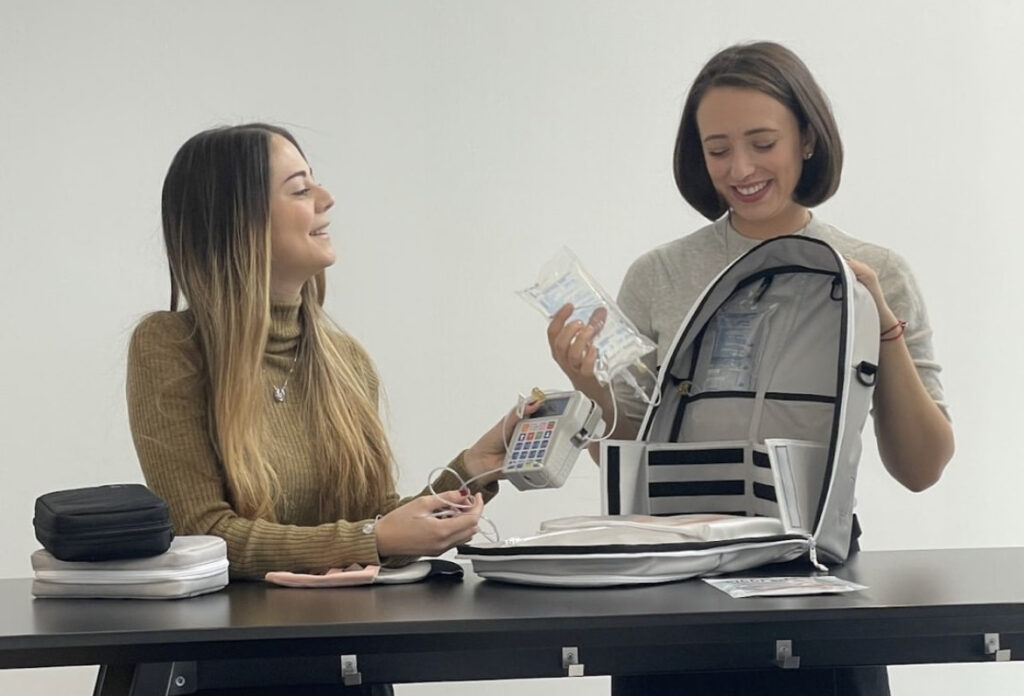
[{"x": 279, "y": 392}]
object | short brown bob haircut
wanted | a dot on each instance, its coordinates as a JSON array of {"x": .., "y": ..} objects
[{"x": 776, "y": 71}]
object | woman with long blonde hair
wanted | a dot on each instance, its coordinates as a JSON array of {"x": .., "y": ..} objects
[{"x": 253, "y": 415}]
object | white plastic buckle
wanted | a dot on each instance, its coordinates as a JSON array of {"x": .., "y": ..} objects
[
  {"x": 784, "y": 656},
  {"x": 571, "y": 662},
  {"x": 992, "y": 648},
  {"x": 350, "y": 675}
]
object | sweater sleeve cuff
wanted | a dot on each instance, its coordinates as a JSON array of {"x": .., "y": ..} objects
[
  {"x": 360, "y": 540},
  {"x": 448, "y": 482},
  {"x": 368, "y": 548}
]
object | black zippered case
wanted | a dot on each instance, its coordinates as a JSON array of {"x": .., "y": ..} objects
[{"x": 101, "y": 523}]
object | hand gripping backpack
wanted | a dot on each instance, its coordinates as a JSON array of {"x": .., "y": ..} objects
[{"x": 751, "y": 455}]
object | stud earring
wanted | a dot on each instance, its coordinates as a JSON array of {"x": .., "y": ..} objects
[{"x": 808, "y": 155}]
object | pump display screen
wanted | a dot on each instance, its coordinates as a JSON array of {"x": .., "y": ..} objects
[{"x": 551, "y": 407}]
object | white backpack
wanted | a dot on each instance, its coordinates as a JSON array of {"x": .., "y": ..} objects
[{"x": 763, "y": 398}]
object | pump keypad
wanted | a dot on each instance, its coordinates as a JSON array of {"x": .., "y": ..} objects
[{"x": 531, "y": 443}]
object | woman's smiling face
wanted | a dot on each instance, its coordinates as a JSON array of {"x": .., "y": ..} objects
[
  {"x": 754, "y": 153},
  {"x": 299, "y": 244}
]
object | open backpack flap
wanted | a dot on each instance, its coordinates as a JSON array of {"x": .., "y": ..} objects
[
  {"x": 764, "y": 395},
  {"x": 784, "y": 439},
  {"x": 598, "y": 551}
]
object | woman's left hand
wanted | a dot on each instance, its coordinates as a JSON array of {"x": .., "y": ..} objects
[
  {"x": 869, "y": 279},
  {"x": 487, "y": 455}
]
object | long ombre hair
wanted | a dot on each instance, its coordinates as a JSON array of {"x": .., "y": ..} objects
[{"x": 216, "y": 221}]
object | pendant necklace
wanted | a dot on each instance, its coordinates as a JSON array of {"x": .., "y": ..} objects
[{"x": 279, "y": 392}]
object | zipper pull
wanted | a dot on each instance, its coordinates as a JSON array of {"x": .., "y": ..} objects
[
  {"x": 812, "y": 551},
  {"x": 766, "y": 283}
]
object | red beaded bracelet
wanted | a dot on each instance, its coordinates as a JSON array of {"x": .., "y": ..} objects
[{"x": 900, "y": 326}]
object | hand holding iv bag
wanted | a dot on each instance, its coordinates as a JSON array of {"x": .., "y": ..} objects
[{"x": 563, "y": 280}]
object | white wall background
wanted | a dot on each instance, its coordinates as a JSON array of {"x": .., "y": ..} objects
[{"x": 465, "y": 142}]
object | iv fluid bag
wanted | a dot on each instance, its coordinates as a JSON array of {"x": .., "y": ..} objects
[
  {"x": 739, "y": 331},
  {"x": 564, "y": 280}
]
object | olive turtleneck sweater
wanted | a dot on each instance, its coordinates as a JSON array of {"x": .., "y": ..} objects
[{"x": 167, "y": 409}]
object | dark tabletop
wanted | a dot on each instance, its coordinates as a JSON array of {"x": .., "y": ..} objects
[{"x": 920, "y": 606}]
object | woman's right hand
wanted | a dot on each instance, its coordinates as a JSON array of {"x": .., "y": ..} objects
[
  {"x": 572, "y": 347},
  {"x": 429, "y": 525}
]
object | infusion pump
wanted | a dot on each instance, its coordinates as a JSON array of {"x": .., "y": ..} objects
[{"x": 544, "y": 446}]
